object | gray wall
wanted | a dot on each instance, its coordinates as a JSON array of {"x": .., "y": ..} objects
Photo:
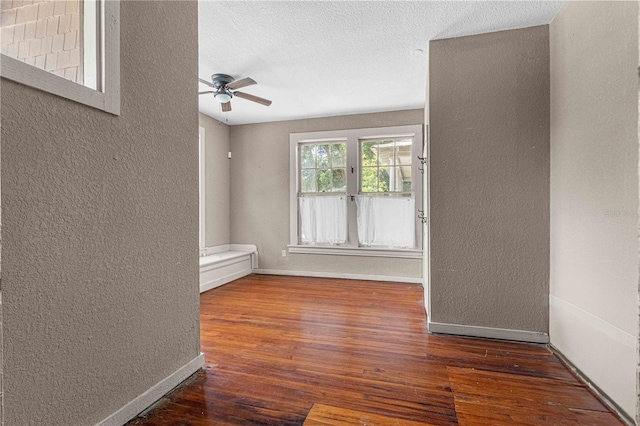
[
  {"x": 489, "y": 114},
  {"x": 217, "y": 181},
  {"x": 260, "y": 194},
  {"x": 100, "y": 235},
  {"x": 594, "y": 193}
]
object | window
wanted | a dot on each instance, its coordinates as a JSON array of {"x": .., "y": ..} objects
[
  {"x": 66, "y": 47},
  {"x": 356, "y": 192}
]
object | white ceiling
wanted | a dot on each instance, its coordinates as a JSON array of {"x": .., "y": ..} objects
[{"x": 325, "y": 58}]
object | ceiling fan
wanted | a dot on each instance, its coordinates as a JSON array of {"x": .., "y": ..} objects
[{"x": 225, "y": 88}]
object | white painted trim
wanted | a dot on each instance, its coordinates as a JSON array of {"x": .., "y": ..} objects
[
  {"x": 384, "y": 278},
  {"x": 488, "y": 332},
  {"x": 595, "y": 389},
  {"x": 151, "y": 395},
  {"x": 356, "y": 251},
  {"x": 605, "y": 353},
  {"x": 202, "y": 142},
  {"x": 352, "y": 138},
  {"x": 593, "y": 322},
  {"x": 223, "y": 280},
  {"x": 106, "y": 100}
]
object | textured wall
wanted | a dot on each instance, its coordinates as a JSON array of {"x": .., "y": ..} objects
[
  {"x": 217, "y": 181},
  {"x": 594, "y": 193},
  {"x": 260, "y": 194},
  {"x": 489, "y": 113},
  {"x": 100, "y": 236}
]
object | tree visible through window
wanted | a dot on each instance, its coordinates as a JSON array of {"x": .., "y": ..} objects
[{"x": 323, "y": 168}]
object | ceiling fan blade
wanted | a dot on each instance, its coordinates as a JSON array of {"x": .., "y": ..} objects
[
  {"x": 208, "y": 83},
  {"x": 202, "y": 93},
  {"x": 243, "y": 82},
  {"x": 226, "y": 107},
  {"x": 249, "y": 97}
]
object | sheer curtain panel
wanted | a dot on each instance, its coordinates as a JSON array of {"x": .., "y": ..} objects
[
  {"x": 386, "y": 221},
  {"x": 323, "y": 219}
]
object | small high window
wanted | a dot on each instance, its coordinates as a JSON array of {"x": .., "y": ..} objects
[{"x": 66, "y": 47}]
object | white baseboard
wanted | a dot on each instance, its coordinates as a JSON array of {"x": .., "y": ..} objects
[
  {"x": 595, "y": 389},
  {"x": 488, "y": 332},
  {"x": 223, "y": 280},
  {"x": 384, "y": 278},
  {"x": 151, "y": 395},
  {"x": 605, "y": 354}
]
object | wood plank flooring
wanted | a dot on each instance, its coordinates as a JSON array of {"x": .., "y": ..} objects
[{"x": 293, "y": 351}]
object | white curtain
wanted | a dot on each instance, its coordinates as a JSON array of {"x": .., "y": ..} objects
[
  {"x": 386, "y": 221},
  {"x": 323, "y": 219}
]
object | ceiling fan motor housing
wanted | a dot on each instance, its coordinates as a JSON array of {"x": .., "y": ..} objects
[{"x": 221, "y": 80}]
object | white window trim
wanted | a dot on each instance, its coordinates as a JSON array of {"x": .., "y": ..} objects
[
  {"x": 106, "y": 100},
  {"x": 202, "y": 174},
  {"x": 352, "y": 136}
]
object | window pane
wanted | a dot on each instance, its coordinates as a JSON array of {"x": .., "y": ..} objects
[
  {"x": 338, "y": 155},
  {"x": 405, "y": 178},
  {"x": 383, "y": 176},
  {"x": 386, "y": 153},
  {"x": 339, "y": 180},
  {"x": 308, "y": 156},
  {"x": 308, "y": 181},
  {"x": 369, "y": 153},
  {"x": 60, "y": 37},
  {"x": 369, "y": 179},
  {"x": 324, "y": 180},
  {"x": 323, "y": 156},
  {"x": 403, "y": 152}
]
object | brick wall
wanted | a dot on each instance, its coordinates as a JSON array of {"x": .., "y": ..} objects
[{"x": 45, "y": 34}]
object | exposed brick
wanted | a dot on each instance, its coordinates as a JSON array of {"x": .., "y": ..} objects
[
  {"x": 30, "y": 30},
  {"x": 5, "y": 4},
  {"x": 13, "y": 50},
  {"x": 58, "y": 43},
  {"x": 30, "y": 61}
]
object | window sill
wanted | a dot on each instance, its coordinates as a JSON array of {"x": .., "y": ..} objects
[{"x": 356, "y": 251}]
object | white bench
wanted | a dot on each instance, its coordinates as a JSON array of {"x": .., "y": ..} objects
[{"x": 222, "y": 264}]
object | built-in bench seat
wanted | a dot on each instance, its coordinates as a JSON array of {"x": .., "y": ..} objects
[{"x": 222, "y": 264}]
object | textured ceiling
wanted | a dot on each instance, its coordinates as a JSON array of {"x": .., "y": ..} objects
[{"x": 317, "y": 59}]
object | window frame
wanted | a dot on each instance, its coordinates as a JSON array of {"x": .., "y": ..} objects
[
  {"x": 107, "y": 99},
  {"x": 353, "y": 139}
]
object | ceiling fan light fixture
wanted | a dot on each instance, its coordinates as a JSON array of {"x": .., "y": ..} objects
[{"x": 223, "y": 97}]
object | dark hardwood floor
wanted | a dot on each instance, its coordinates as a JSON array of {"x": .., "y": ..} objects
[{"x": 293, "y": 351}]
